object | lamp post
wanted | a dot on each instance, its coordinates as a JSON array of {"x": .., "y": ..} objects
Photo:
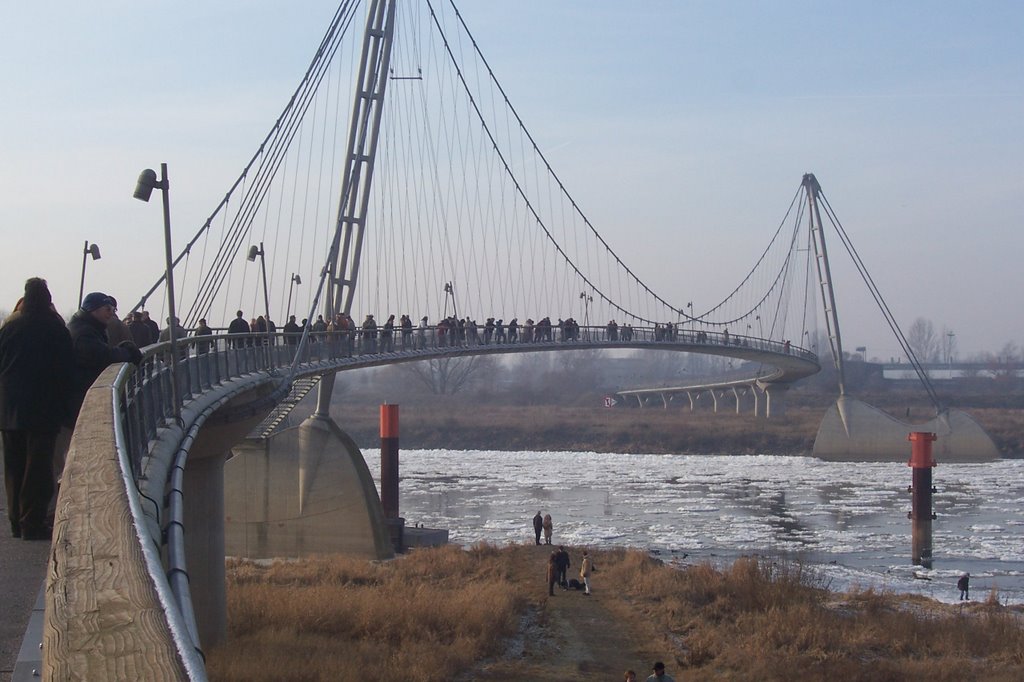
[
  {"x": 258, "y": 251},
  {"x": 449, "y": 290},
  {"x": 143, "y": 189},
  {"x": 94, "y": 251},
  {"x": 288, "y": 310},
  {"x": 587, "y": 300}
]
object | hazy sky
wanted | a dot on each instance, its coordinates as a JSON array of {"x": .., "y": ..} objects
[{"x": 681, "y": 128}]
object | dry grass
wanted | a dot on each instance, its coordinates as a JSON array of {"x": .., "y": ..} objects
[
  {"x": 421, "y": 618},
  {"x": 760, "y": 620},
  {"x": 433, "y": 614}
]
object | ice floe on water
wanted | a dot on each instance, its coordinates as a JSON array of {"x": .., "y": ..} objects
[{"x": 849, "y": 520}]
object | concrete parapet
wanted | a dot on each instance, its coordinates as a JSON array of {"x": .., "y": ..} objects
[
  {"x": 304, "y": 491},
  {"x": 853, "y": 431}
]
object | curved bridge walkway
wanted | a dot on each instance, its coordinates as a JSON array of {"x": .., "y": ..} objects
[{"x": 118, "y": 600}]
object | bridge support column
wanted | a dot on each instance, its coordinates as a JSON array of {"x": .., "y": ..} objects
[
  {"x": 204, "y": 545},
  {"x": 775, "y": 398}
]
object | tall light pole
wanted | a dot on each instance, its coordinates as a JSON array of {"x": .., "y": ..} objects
[
  {"x": 587, "y": 300},
  {"x": 258, "y": 251},
  {"x": 288, "y": 310},
  {"x": 89, "y": 250},
  {"x": 143, "y": 189},
  {"x": 449, "y": 290}
]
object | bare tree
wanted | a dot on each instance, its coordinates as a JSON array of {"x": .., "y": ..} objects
[
  {"x": 923, "y": 340},
  {"x": 448, "y": 376}
]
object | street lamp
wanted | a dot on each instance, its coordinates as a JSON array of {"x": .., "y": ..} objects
[
  {"x": 449, "y": 290},
  {"x": 288, "y": 310},
  {"x": 258, "y": 251},
  {"x": 587, "y": 300},
  {"x": 89, "y": 250},
  {"x": 143, "y": 189}
]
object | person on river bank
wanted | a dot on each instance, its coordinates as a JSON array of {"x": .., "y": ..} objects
[
  {"x": 562, "y": 562},
  {"x": 538, "y": 526},
  {"x": 552, "y": 573},
  {"x": 548, "y": 528},
  {"x": 585, "y": 570},
  {"x": 964, "y": 585}
]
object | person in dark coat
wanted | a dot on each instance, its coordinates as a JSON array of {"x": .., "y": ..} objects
[
  {"x": 538, "y": 526},
  {"x": 562, "y": 562},
  {"x": 964, "y": 585},
  {"x": 239, "y": 326},
  {"x": 151, "y": 325},
  {"x": 36, "y": 367},
  {"x": 92, "y": 354},
  {"x": 552, "y": 573}
]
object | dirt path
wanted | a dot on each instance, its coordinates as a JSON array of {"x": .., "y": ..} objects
[{"x": 567, "y": 636}]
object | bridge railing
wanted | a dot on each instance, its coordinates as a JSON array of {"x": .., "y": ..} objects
[{"x": 205, "y": 362}]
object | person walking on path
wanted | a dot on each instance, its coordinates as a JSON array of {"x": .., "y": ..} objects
[
  {"x": 586, "y": 568},
  {"x": 538, "y": 526},
  {"x": 659, "y": 674},
  {"x": 562, "y": 562},
  {"x": 36, "y": 369},
  {"x": 552, "y": 573},
  {"x": 964, "y": 585},
  {"x": 547, "y": 529}
]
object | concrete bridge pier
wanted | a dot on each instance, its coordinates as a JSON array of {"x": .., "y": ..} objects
[
  {"x": 204, "y": 546},
  {"x": 304, "y": 491},
  {"x": 775, "y": 399}
]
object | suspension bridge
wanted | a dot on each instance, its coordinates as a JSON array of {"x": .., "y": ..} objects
[{"x": 398, "y": 180}]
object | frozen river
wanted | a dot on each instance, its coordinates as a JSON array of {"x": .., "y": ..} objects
[{"x": 849, "y": 519}]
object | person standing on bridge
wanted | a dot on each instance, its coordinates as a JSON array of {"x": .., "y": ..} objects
[
  {"x": 202, "y": 329},
  {"x": 92, "y": 353},
  {"x": 291, "y": 331},
  {"x": 238, "y": 326},
  {"x": 36, "y": 368},
  {"x": 538, "y": 526},
  {"x": 421, "y": 334}
]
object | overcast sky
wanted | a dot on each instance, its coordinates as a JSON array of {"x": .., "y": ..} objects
[{"x": 690, "y": 122}]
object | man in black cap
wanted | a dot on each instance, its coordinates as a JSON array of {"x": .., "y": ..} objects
[
  {"x": 88, "y": 329},
  {"x": 35, "y": 377},
  {"x": 659, "y": 674}
]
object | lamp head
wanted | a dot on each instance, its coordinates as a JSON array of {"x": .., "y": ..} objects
[
  {"x": 253, "y": 252},
  {"x": 296, "y": 279},
  {"x": 94, "y": 251},
  {"x": 146, "y": 184}
]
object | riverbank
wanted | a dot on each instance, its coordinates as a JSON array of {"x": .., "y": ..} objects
[
  {"x": 454, "y": 425},
  {"x": 485, "y": 614}
]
